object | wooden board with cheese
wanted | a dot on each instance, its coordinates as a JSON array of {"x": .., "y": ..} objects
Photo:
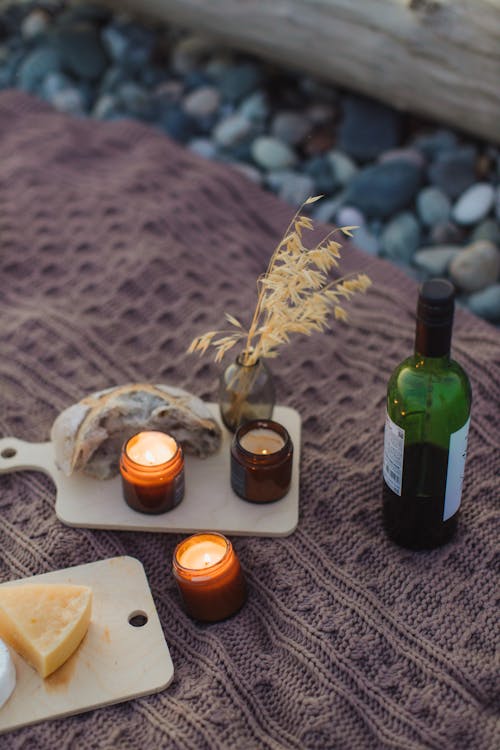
[{"x": 123, "y": 655}]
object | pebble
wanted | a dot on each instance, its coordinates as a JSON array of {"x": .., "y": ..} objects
[
  {"x": 474, "y": 204},
  {"x": 136, "y": 100},
  {"x": 81, "y": 50},
  {"x": 251, "y": 173},
  {"x": 433, "y": 206},
  {"x": 255, "y": 107},
  {"x": 447, "y": 233},
  {"x": 486, "y": 303},
  {"x": 35, "y": 23},
  {"x": 106, "y": 106},
  {"x": 189, "y": 52},
  {"x": 403, "y": 154},
  {"x": 366, "y": 241},
  {"x": 433, "y": 144},
  {"x": 326, "y": 210},
  {"x": 454, "y": 171},
  {"x": 348, "y": 216},
  {"x": 363, "y": 141},
  {"x": 290, "y": 127},
  {"x": 272, "y": 154},
  {"x": 436, "y": 259},
  {"x": 320, "y": 170},
  {"x": 204, "y": 147},
  {"x": 177, "y": 123},
  {"x": 36, "y": 65},
  {"x": 296, "y": 188},
  {"x": 239, "y": 81},
  {"x": 342, "y": 166},
  {"x": 383, "y": 189},
  {"x": 202, "y": 102},
  {"x": 320, "y": 114},
  {"x": 401, "y": 237},
  {"x": 69, "y": 100},
  {"x": 489, "y": 229},
  {"x": 232, "y": 130},
  {"x": 476, "y": 266}
]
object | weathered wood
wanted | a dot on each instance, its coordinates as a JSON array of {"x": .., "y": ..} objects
[{"x": 438, "y": 58}]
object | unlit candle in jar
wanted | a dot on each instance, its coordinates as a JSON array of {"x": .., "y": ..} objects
[
  {"x": 151, "y": 448},
  {"x": 261, "y": 440}
]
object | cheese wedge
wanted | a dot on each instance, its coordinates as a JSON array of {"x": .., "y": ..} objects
[{"x": 44, "y": 622}]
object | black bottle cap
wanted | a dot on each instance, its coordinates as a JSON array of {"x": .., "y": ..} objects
[{"x": 436, "y": 302}]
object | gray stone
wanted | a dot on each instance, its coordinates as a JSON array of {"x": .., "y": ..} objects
[
  {"x": 367, "y": 128},
  {"x": 36, "y": 65},
  {"x": 433, "y": 206},
  {"x": 447, "y": 233},
  {"x": 486, "y": 303},
  {"x": 251, "y": 173},
  {"x": 272, "y": 154},
  {"x": 476, "y": 266},
  {"x": 383, "y": 189},
  {"x": 326, "y": 210},
  {"x": 403, "y": 154},
  {"x": 189, "y": 52},
  {"x": 81, "y": 51},
  {"x": 489, "y": 229},
  {"x": 216, "y": 65},
  {"x": 232, "y": 130},
  {"x": 292, "y": 187},
  {"x": 320, "y": 169},
  {"x": 136, "y": 100},
  {"x": 474, "y": 204},
  {"x": 348, "y": 216},
  {"x": 106, "y": 106},
  {"x": 342, "y": 166},
  {"x": 129, "y": 44},
  {"x": 320, "y": 114},
  {"x": 53, "y": 83},
  {"x": 401, "y": 237},
  {"x": 255, "y": 107},
  {"x": 203, "y": 147},
  {"x": 435, "y": 260},
  {"x": 436, "y": 143},
  {"x": 69, "y": 100},
  {"x": 366, "y": 241},
  {"x": 202, "y": 102},
  {"x": 239, "y": 81},
  {"x": 176, "y": 123},
  {"x": 35, "y": 23},
  {"x": 454, "y": 171},
  {"x": 290, "y": 127}
]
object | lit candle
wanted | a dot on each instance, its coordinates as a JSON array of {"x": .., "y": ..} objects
[
  {"x": 152, "y": 470},
  {"x": 261, "y": 461},
  {"x": 209, "y": 577}
]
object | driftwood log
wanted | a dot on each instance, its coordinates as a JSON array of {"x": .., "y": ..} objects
[{"x": 437, "y": 58}]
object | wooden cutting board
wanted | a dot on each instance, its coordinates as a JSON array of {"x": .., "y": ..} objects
[
  {"x": 209, "y": 502},
  {"x": 115, "y": 661}
]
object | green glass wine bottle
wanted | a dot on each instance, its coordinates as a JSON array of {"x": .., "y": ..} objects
[{"x": 426, "y": 429}]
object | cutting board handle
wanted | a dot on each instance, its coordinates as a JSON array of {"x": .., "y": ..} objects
[{"x": 18, "y": 455}]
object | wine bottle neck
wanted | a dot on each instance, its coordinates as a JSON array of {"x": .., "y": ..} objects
[{"x": 433, "y": 340}]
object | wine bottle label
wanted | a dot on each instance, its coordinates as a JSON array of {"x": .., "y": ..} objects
[
  {"x": 455, "y": 473},
  {"x": 394, "y": 445}
]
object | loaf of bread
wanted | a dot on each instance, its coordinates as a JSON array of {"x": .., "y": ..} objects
[{"x": 88, "y": 436}]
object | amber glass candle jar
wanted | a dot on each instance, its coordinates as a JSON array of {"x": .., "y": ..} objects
[
  {"x": 152, "y": 470},
  {"x": 209, "y": 577},
  {"x": 261, "y": 461}
]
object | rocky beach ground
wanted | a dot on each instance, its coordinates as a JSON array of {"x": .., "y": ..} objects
[{"x": 423, "y": 195}]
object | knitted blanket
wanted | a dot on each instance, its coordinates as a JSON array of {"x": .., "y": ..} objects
[{"x": 117, "y": 246}]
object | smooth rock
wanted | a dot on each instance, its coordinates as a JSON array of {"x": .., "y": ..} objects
[
  {"x": 239, "y": 81},
  {"x": 433, "y": 206},
  {"x": 367, "y": 128},
  {"x": 292, "y": 187},
  {"x": 474, "y": 204},
  {"x": 255, "y": 107},
  {"x": 251, "y": 173},
  {"x": 489, "y": 229},
  {"x": 81, "y": 51},
  {"x": 54, "y": 82},
  {"x": 272, "y": 154},
  {"x": 169, "y": 92},
  {"x": 348, "y": 216},
  {"x": 36, "y": 65},
  {"x": 69, "y": 100},
  {"x": 476, "y": 266},
  {"x": 232, "y": 130},
  {"x": 486, "y": 303},
  {"x": 342, "y": 166},
  {"x": 320, "y": 114},
  {"x": 436, "y": 259},
  {"x": 217, "y": 64},
  {"x": 447, "y": 233},
  {"x": 203, "y": 147},
  {"x": 383, "y": 189},
  {"x": 136, "y": 100},
  {"x": 365, "y": 240},
  {"x": 36, "y": 23},
  {"x": 403, "y": 154},
  {"x": 129, "y": 44},
  {"x": 290, "y": 127},
  {"x": 319, "y": 168},
  {"x": 177, "y": 123},
  {"x": 401, "y": 237},
  {"x": 433, "y": 144},
  {"x": 326, "y": 210},
  {"x": 202, "y": 102},
  {"x": 105, "y": 107},
  {"x": 454, "y": 171}
]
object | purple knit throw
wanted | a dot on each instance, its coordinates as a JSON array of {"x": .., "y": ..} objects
[{"x": 117, "y": 246}]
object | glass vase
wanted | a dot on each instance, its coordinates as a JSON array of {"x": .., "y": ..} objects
[{"x": 246, "y": 392}]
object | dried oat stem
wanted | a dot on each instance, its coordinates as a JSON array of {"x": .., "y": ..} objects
[{"x": 294, "y": 295}]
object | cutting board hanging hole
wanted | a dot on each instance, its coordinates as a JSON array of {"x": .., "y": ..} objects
[{"x": 137, "y": 619}]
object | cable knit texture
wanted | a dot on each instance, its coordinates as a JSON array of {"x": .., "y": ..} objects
[{"x": 117, "y": 247}]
